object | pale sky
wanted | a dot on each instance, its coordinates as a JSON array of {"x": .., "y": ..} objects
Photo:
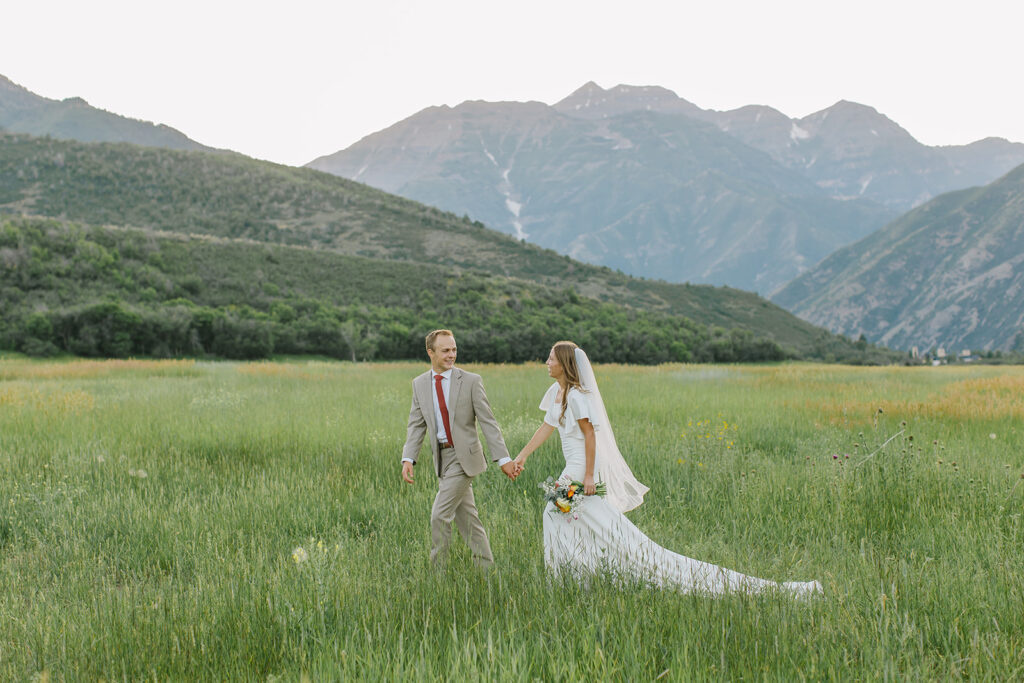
[{"x": 291, "y": 81}]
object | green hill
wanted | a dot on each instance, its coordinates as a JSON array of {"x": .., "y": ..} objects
[
  {"x": 98, "y": 291},
  {"x": 231, "y": 196}
]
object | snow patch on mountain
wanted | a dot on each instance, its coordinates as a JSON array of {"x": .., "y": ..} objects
[
  {"x": 512, "y": 205},
  {"x": 505, "y": 187}
]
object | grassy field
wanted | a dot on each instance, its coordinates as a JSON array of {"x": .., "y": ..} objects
[{"x": 184, "y": 520}]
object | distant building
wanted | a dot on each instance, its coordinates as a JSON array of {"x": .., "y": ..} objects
[
  {"x": 914, "y": 352},
  {"x": 965, "y": 356}
]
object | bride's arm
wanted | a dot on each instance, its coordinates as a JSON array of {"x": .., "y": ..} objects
[
  {"x": 539, "y": 437},
  {"x": 590, "y": 450}
]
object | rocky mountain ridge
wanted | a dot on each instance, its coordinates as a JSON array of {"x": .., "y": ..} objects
[
  {"x": 662, "y": 195},
  {"x": 948, "y": 274},
  {"x": 848, "y": 149},
  {"x": 641, "y": 180},
  {"x": 22, "y": 111}
]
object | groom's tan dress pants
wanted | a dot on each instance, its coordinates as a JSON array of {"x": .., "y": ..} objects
[{"x": 454, "y": 502}]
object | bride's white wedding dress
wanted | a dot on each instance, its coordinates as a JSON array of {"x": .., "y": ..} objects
[{"x": 597, "y": 537}]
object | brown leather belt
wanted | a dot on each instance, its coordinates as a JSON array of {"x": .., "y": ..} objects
[{"x": 442, "y": 446}]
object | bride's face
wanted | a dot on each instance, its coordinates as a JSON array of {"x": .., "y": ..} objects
[{"x": 554, "y": 367}]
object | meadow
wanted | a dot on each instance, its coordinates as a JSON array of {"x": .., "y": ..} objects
[{"x": 182, "y": 520}]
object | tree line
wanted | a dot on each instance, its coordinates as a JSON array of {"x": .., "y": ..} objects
[{"x": 106, "y": 292}]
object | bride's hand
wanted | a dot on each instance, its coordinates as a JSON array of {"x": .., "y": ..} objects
[
  {"x": 589, "y": 487},
  {"x": 520, "y": 462}
]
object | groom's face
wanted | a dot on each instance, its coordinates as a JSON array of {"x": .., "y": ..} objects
[{"x": 442, "y": 356}]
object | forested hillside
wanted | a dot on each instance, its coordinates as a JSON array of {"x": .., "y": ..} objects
[
  {"x": 232, "y": 196},
  {"x": 96, "y": 291}
]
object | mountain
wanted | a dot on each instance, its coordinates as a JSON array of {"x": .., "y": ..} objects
[
  {"x": 639, "y": 179},
  {"x": 229, "y": 196},
  {"x": 852, "y": 151},
  {"x": 849, "y": 150},
  {"x": 949, "y": 273},
  {"x": 663, "y": 195},
  {"x": 22, "y": 111},
  {"x": 594, "y": 102}
]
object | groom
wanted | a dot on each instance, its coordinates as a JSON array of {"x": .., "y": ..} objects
[{"x": 447, "y": 404}]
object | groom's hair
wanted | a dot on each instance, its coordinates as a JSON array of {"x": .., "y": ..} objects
[{"x": 434, "y": 335}]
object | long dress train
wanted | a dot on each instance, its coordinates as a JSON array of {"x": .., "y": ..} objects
[{"x": 597, "y": 537}]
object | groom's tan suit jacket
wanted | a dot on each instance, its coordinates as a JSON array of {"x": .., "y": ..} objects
[{"x": 467, "y": 406}]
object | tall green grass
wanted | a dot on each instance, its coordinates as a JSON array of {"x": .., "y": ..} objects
[{"x": 178, "y": 520}]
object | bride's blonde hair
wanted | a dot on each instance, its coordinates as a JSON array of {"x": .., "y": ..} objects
[{"x": 565, "y": 354}]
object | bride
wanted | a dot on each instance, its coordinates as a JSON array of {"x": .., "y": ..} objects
[{"x": 598, "y": 536}]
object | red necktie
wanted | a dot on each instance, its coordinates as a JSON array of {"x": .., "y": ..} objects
[{"x": 444, "y": 408}]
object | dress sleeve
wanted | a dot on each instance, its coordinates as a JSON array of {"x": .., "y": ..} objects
[
  {"x": 549, "y": 396},
  {"x": 550, "y": 408},
  {"x": 579, "y": 406}
]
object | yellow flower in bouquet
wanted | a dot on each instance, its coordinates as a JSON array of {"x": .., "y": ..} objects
[{"x": 562, "y": 493}]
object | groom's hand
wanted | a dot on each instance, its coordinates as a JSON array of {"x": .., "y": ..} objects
[
  {"x": 520, "y": 462},
  {"x": 509, "y": 469},
  {"x": 407, "y": 471}
]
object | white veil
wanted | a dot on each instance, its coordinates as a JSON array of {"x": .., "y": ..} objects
[{"x": 621, "y": 488}]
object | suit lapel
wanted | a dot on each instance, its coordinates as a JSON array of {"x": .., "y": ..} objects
[
  {"x": 426, "y": 399},
  {"x": 453, "y": 395}
]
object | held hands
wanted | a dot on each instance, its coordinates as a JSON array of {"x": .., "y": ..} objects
[
  {"x": 511, "y": 470},
  {"x": 515, "y": 467}
]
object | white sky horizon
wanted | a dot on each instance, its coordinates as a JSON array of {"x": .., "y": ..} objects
[{"x": 289, "y": 84}]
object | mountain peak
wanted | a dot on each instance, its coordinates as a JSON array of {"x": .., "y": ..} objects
[
  {"x": 588, "y": 88},
  {"x": 591, "y": 101},
  {"x": 22, "y": 111},
  {"x": 653, "y": 91},
  {"x": 855, "y": 121},
  {"x": 582, "y": 97},
  {"x": 8, "y": 86},
  {"x": 845, "y": 110},
  {"x": 854, "y": 106},
  {"x": 483, "y": 108},
  {"x": 14, "y": 96}
]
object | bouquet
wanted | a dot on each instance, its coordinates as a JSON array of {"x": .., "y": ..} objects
[{"x": 566, "y": 493}]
